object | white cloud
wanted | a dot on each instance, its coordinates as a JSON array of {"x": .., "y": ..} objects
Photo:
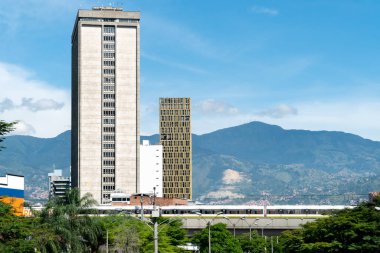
[
  {"x": 41, "y": 104},
  {"x": 211, "y": 106},
  {"x": 23, "y": 128},
  {"x": 264, "y": 10},
  {"x": 279, "y": 111},
  {"x": 232, "y": 176},
  {"x": 358, "y": 117},
  {"x": 43, "y": 108}
]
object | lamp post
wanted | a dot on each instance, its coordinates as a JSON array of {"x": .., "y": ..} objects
[
  {"x": 233, "y": 224},
  {"x": 209, "y": 228},
  {"x": 250, "y": 227}
]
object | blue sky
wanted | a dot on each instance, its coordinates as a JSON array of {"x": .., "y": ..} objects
[{"x": 298, "y": 64}]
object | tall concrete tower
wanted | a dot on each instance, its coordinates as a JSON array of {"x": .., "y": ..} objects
[
  {"x": 105, "y": 102},
  {"x": 175, "y": 137}
]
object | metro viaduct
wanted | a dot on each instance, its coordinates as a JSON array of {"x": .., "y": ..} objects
[{"x": 263, "y": 225}]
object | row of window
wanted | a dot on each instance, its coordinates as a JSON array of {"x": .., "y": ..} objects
[
  {"x": 175, "y": 155},
  {"x": 108, "y": 145},
  {"x": 109, "y": 121},
  {"x": 109, "y": 71},
  {"x": 109, "y": 79},
  {"x": 123, "y": 20},
  {"x": 109, "y": 162},
  {"x": 176, "y": 160},
  {"x": 177, "y": 173},
  {"x": 108, "y": 179},
  {"x": 109, "y": 46},
  {"x": 109, "y": 171},
  {"x": 175, "y": 112},
  {"x": 108, "y": 154},
  {"x": 109, "y": 37},
  {"x": 174, "y": 124},
  {"x": 109, "y": 87},
  {"x": 168, "y": 167},
  {"x": 109, "y": 63},
  {"x": 109, "y": 129},
  {"x": 175, "y": 190},
  {"x": 109, "y": 29},
  {"x": 176, "y": 184},
  {"x": 109, "y": 112},
  {"x": 108, "y": 188},
  {"x": 174, "y": 106},
  {"x": 174, "y": 143},
  {"x": 169, "y": 130},
  {"x": 109, "y": 55},
  {"x": 176, "y": 149},
  {"x": 175, "y": 118},
  {"x": 177, "y": 137},
  {"x": 107, "y": 137},
  {"x": 109, "y": 96}
]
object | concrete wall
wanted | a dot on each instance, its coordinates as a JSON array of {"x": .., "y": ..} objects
[
  {"x": 127, "y": 101},
  {"x": 90, "y": 93},
  {"x": 150, "y": 168}
]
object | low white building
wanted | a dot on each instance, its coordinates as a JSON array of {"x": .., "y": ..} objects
[{"x": 150, "y": 168}]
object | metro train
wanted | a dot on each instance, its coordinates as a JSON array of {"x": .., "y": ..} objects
[{"x": 227, "y": 210}]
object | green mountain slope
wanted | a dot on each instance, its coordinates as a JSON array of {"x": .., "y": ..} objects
[{"x": 240, "y": 164}]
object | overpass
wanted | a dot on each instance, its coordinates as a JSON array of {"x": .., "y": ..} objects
[{"x": 237, "y": 225}]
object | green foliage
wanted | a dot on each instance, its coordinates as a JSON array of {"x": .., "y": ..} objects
[
  {"x": 129, "y": 234},
  {"x": 349, "y": 230},
  {"x": 221, "y": 240},
  {"x": 256, "y": 244},
  {"x": 6, "y": 127},
  {"x": 77, "y": 232}
]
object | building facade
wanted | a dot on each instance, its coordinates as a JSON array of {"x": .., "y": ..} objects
[
  {"x": 175, "y": 138},
  {"x": 58, "y": 184},
  {"x": 12, "y": 192},
  {"x": 150, "y": 168},
  {"x": 105, "y": 102}
]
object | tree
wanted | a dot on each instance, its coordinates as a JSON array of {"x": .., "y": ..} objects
[
  {"x": 254, "y": 245},
  {"x": 6, "y": 127},
  {"x": 221, "y": 240},
  {"x": 349, "y": 230},
  {"x": 77, "y": 232}
]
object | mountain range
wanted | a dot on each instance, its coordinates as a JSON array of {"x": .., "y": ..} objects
[{"x": 249, "y": 163}]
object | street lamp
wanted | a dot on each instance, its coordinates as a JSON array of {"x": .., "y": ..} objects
[
  {"x": 250, "y": 227},
  {"x": 233, "y": 224},
  {"x": 209, "y": 228}
]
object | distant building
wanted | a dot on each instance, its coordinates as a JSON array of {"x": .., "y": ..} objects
[
  {"x": 175, "y": 137},
  {"x": 105, "y": 136},
  {"x": 150, "y": 168},
  {"x": 12, "y": 192},
  {"x": 58, "y": 185},
  {"x": 122, "y": 199},
  {"x": 373, "y": 195}
]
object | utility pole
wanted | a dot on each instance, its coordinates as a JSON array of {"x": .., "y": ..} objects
[{"x": 142, "y": 206}]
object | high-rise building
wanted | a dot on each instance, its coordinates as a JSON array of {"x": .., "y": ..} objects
[
  {"x": 150, "y": 168},
  {"x": 58, "y": 184},
  {"x": 175, "y": 137},
  {"x": 105, "y": 102}
]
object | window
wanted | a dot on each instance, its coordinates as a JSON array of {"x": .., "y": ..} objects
[
  {"x": 109, "y": 129},
  {"x": 108, "y": 145},
  {"x": 109, "y": 38},
  {"x": 108, "y": 113},
  {"x": 109, "y": 29},
  {"x": 109, "y": 96},
  {"x": 109, "y": 121},
  {"x": 109, "y": 63},
  {"x": 109, "y": 71},
  {"x": 109, "y": 163},
  {"x": 108, "y": 137},
  {"x": 109, "y": 55},
  {"x": 108, "y": 154},
  {"x": 109, "y": 79},
  {"x": 109, "y": 88},
  {"x": 109, "y": 46}
]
